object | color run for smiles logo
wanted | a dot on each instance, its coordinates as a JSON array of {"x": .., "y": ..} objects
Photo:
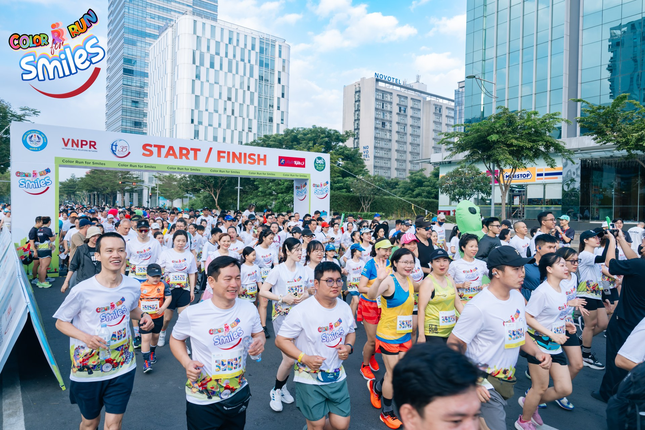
[
  {"x": 321, "y": 190},
  {"x": 35, "y": 182},
  {"x": 301, "y": 191}
]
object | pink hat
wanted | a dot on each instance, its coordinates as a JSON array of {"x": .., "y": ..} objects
[{"x": 408, "y": 237}]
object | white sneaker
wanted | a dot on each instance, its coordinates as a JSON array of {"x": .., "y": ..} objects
[
  {"x": 286, "y": 396},
  {"x": 162, "y": 338},
  {"x": 276, "y": 400}
]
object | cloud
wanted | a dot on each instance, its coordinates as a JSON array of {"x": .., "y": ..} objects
[
  {"x": 440, "y": 71},
  {"x": 455, "y": 26},
  {"x": 260, "y": 16},
  {"x": 417, "y": 3},
  {"x": 290, "y": 18}
]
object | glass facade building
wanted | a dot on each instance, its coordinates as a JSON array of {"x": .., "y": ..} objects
[{"x": 133, "y": 25}]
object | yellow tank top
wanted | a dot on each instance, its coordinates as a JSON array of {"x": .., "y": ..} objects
[
  {"x": 440, "y": 314},
  {"x": 395, "y": 324}
]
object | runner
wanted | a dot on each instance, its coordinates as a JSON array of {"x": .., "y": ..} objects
[
  {"x": 453, "y": 244},
  {"x": 439, "y": 301},
  {"x": 319, "y": 333},
  {"x": 286, "y": 286},
  {"x": 224, "y": 246},
  {"x": 180, "y": 270},
  {"x": 468, "y": 272},
  {"x": 353, "y": 269},
  {"x": 266, "y": 258},
  {"x": 355, "y": 240},
  {"x": 440, "y": 229},
  {"x": 490, "y": 241},
  {"x": 393, "y": 333},
  {"x": 546, "y": 316},
  {"x": 521, "y": 240},
  {"x": 337, "y": 236},
  {"x": 236, "y": 244},
  {"x": 45, "y": 242},
  {"x": 544, "y": 244},
  {"x": 222, "y": 331},
  {"x": 565, "y": 233},
  {"x": 410, "y": 241},
  {"x": 330, "y": 254},
  {"x": 84, "y": 265},
  {"x": 251, "y": 279},
  {"x": 315, "y": 254},
  {"x": 369, "y": 311},
  {"x": 492, "y": 329},
  {"x": 155, "y": 299},
  {"x": 96, "y": 317},
  {"x": 346, "y": 240},
  {"x": 248, "y": 234}
]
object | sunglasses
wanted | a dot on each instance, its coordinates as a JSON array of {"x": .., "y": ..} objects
[{"x": 143, "y": 230}]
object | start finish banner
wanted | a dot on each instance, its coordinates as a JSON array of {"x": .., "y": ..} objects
[{"x": 37, "y": 152}]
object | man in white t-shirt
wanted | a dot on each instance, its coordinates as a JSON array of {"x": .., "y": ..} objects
[
  {"x": 492, "y": 330},
  {"x": 222, "y": 331},
  {"x": 440, "y": 229},
  {"x": 521, "y": 240},
  {"x": 319, "y": 334},
  {"x": 96, "y": 316},
  {"x": 632, "y": 353}
]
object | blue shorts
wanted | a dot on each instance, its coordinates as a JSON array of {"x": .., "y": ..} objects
[{"x": 114, "y": 394}]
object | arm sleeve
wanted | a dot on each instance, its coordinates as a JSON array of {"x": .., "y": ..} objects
[
  {"x": 272, "y": 277},
  {"x": 624, "y": 267},
  {"x": 601, "y": 258},
  {"x": 257, "y": 324},
  {"x": 292, "y": 325},
  {"x": 181, "y": 331},
  {"x": 468, "y": 324},
  {"x": 632, "y": 348},
  {"x": 70, "y": 307},
  {"x": 192, "y": 267},
  {"x": 76, "y": 261}
]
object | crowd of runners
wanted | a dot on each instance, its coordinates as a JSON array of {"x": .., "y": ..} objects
[{"x": 467, "y": 309}]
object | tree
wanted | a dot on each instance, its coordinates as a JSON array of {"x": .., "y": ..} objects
[
  {"x": 506, "y": 142},
  {"x": 5, "y": 187},
  {"x": 108, "y": 183},
  {"x": 7, "y": 116},
  {"x": 365, "y": 191},
  {"x": 419, "y": 185},
  {"x": 465, "y": 182},
  {"x": 69, "y": 189},
  {"x": 170, "y": 186},
  {"x": 214, "y": 186}
]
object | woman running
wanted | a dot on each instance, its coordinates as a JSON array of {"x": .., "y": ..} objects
[
  {"x": 336, "y": 234},
  {"x": 45, "y": 242},
  {"x": 223, "y": 250},
  {"x": 330, "y": 254},
  {"x": 286, "y": 286},
  {"x": 346, "y": 241},
  {"x": 369, "y": 310},
  {"x": 438, "y": 301},
  {"x": 366, "y": 244},
  {"x": 353, "y": 269},
  {"x": 468, "y": 272},
  {"x": 356, "y": 240},
  {"x": 393, "y": 333},
  {"x": 410, "y": 241},
  {"x": 453, "y": 245},
  {"x": 315, "y": 254},
  {"x": 546, "y": 316},
  {"x": 266, "y": 258},
  {"x": 250, "y": 276}
]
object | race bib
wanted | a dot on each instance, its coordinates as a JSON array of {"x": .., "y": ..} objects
[
  {"x": 264, "y": 272},
  {"x": 378, "y": 301},
  {"x": 416, "y": 302},
  {"x": 139, "y": 270},
  {"x": 447, "y": 318},
  {"x": 295, "y": 288},
  {"x": 514, "y": 335},
  {"x": 559, "y": 328},
  {"x": 227, "y": 364},
  {"x": 404, "y": 324},
  {"x": 251, "y": 288},
  {"x": 177, "y": 280},
  {"x": 150, "y": 306},
  {"x": 352, "y": 287}
]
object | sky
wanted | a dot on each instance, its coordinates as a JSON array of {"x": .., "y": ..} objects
[{"x": 333, "y": 43}]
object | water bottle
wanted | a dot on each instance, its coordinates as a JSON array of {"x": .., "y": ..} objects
[
  {"x": 104, "y": 334},
  {"x": 247, "y": 344}
]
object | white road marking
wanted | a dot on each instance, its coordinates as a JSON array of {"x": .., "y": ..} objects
[{"x": 13, "y": 416}]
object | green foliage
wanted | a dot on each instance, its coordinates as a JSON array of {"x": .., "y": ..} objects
[
  {"x": 170, "y": 186},
  {"x": 5, "y": 187},
  {"x": 108, "y": 183},
  {"x": 464, "y": 182},
  {"x": 390, "y": 207},
  {"x": 217, "y": 187},
  {"x": 7, "y": 116},
  {"x": 69, "y": 190},
  {"x": 419, "y": 185}
]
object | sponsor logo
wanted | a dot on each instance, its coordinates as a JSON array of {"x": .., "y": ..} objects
[
  {"x": 301, "y": 191},
  {"x": 35, "y": 182},
  {"x": 120, "y": 148},
  {"x": 321, "y": 190},
  {"x": 319, "y": 164},
  {"x": 34, "y": 140},
  {"x": 70, "y": 144},
  {"x": 291, "y": 162},
  {"x": 524, "y": 175}
]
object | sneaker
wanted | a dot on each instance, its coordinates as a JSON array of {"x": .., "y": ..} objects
[
  {"x": 528, "y": 375},
  {"x": 375, "y": 398},
  {"x": 367, "y": 373},
  {"x": 153, "y": 357},
  {"x": 137, "y": 342},
  {"x": 591, "y": 362},
  {"x": 536, "y": 418},
  {"x": 391, "y": 420},
  {"x": 286, "y": 396},
  {"x": 162, "y": 338},
  {"x": 266, "y": 332},
  {"x": 35, "y": 281},
  {"x": 43, "y": 284},
  {"x": 565, "y": 404},
  {"x": 374, "y": 364},
  {"x": 147, "y": 367},
  {"x": 541, "y": 405},
  {"x": 276, "y": 400},
  {"x": 519, "y": 425}
]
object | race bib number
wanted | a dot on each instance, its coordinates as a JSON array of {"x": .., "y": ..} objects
[
  {"x": 559, "y": 328},
  {"x": 177, "y": 279},
  {"x": 352, "y": 287},
  {"x": 227, "y": 364},
  {"x": 404, "y": 324},
  {"x": 447, "y": 318},
  {"x": 139, "y": 271},
  {"x": 514, "y": 335},
  {"x": 150, "y": 306},
  {"x": 264, "y": 272},
  {"x": 295, "y": 288},
  {"x": 251, "y": 288}
]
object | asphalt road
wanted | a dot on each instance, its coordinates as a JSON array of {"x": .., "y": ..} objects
[{"x": 158, "y": 399}]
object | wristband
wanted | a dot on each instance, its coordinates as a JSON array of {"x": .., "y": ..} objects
[
  {"x": 351, "y": 348},
  {"x": 302, "y": 354}
]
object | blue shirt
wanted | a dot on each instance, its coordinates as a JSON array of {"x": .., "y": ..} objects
[{"x": 531, "y": 280}]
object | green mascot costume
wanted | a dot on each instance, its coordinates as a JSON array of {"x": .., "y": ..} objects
[{"x": 469, "y": 219}]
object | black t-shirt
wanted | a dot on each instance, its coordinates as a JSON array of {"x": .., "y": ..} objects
[
  {"x": 631, "y": 306},
  {"x": 33, "y": 234},
  {"x": 424, "y": 253},
  {"x": 43, "y": 235},
  {"x": 570, "y": 233},
  {"x": 486, "y": 245}
]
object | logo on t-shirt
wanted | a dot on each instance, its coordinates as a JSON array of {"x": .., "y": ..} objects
[
  {"x": 227, "y": 334},
  {"x": 332, "y": 333},
  {"x": 113, "y": 312}
]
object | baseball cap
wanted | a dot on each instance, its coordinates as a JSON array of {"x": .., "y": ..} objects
[
  {"x": 155, "y": 226},
  {"x": 377, "y": 215},
  {"x": 143, "y": 223},
  {"x": 228, "y": 218},
  {"x": 307, "y": 232},
  {"x": 407, "y": 223},
  {"x": 296, "y": 230},
  {"x": 565, "y": 217},
  {"x": 93, "y": 231},
  {"x": 506, "y": 256},
  {"x": 92, "y": 211},
  {"x": 441, "y": 216},
  {"x": 383, "y": 244},
  {"x": 434, "y": 219},
  {"x": 324, "y": 224},
  {"x": 357, "y": 246},
  {"x": 330, "y": 247},
  {"x": 408, "y": 237},
  {"x": 83, "y": 222},
  {"x": 154, "y": 270},
  {"x": 421, "y": 223},
  {"x": 251, "y": 216},
  {"x": 110, "y": 216},
  {"x": 440, "y": 253},
  {"x": 588, "y": 234},
  {"x": 365, "y": 230}
]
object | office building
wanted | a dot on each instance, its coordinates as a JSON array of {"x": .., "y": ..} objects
[
  {"x": 538, "y": 55},
  {"x": 396, "y": 125},
  {"x": 132, "y": 27},
  {"x": 460, "y": 94},
  {"x": 217, "y": 81}
]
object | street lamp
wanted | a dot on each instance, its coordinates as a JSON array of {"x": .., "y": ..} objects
[{"x": 480, "y": 83}]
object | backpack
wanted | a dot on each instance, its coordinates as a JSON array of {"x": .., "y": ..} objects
[{"x": 626, "y": 409}]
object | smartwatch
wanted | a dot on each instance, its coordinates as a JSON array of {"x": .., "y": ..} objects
[{"x": 351, "y": 347}]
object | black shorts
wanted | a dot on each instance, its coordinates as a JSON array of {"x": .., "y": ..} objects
[
  {"x": 560, "y": 358},
  {"x": 436, "y": 340},
  {"x": 573, "y": 340},
  {"x": 593, "y": 304},
  {"x": 156, "y": 329},
  {"x": 229, "y": 414},
  {"x": 611, "y": 295},
  {"x": 44, "y": 253},
  {"x": 180, "y": 298},
  {"x": 114, "y": 394}
]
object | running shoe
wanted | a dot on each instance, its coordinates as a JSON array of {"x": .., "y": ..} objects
[
  {"x": 541, "y": 405},
  {"x": 519, "y": 425},
  {"x": 43, "y": 284},
  {"x": 374, "y": 364},
  {"x": 591, "y": 362},
  {"x": 367, "y": 373},
  {"x": 286, "y": 396},
  {"x": 147, "y": 367},
  {"x": 565, "y": 404},
  {"x": 137, "y": 342},
  {"x": 153, "y": 357},
  {"x": 375, "y": 398},
  {"x": 276, "y": 400},
  {"x": 536, "y": 418},
  {"x": 162, "y": 338},
  {"x": 266, "y": 332},
  {"x": 391, "y": 420}
]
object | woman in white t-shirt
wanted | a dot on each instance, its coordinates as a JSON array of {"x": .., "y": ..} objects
[
  {"x": 337, "y": 236},
  {"x": 355, "y": 238},
  {"x": 346, "y": 240},
  {"x": 608, "y": 282},
  {"x": 266, "y": 257},
  {"x": 286, "y": 286},
  {"x": 315, "y": 254},
  {"x": 547, "y": 318},
  {"x": 353, "y": 269},
  {"x": 453, "y": 245},
  {"x": 222, "y": 251},
  {"x": 250, "y": 277},
  {"x": 468, "y": 272}
]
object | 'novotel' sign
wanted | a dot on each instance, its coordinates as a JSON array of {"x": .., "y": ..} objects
[{"x": 387, "y": 78}]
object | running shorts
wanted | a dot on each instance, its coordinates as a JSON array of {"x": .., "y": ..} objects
[
  {"x": 368, "y": 312},
  {"x": 317, "y": 401},
  {"x": 392, "y": 348},
  {"x": 611, "y": 295},
  {"x": 593, "y": 304},
  {"x": 180, "y": 298},
  {"x": 559, "y": 358},
  {"x": 113, "y": 393},
  {"x": 156, "y": 329}
]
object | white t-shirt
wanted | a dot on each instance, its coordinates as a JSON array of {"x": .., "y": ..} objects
[
  {"x": 249, "y": 278},
  {"x": 441, "y": 233},
  {"x": 141, "y": 255},
  {"x": 366, "y": 254},
  {"x": 322, "y": 237},
  {"x": 520, "y": 244},
  {"x": 346, "y": 239},
  {"x": 317, "y": 331},
  {"x": 550, "y": 309},
  {"x": 247, "y": 238},
  {"x": 285, "y": 282},
  {"x": 237, "y": 246},
  {"x": 265, "y": 258},
  {"x": 220, "y": 253},
  {"x": 310, "y": 276},
  {"x": 337, "y": 238},
  {"x": 132, "y": 235},
  {"x": 71, "y": 232},
  {"x": 454, "y": 243},
  {"x": 177, "y": 266},
  {"x": 462, "y": 271},
  {"x": 590, "y": 272},
  {"x": 216, "y": 340},
  {"x": 570, "y": 288},
  {"x": 354, "y": 271},
  {"x": 494, "y": 330},
  {"x": 88, "y": 305},
  {"x": 108, "y": 227},
  {"x": 417, "y": 273},
  {"x": 208, "y": 249},
  {"x": 633, "y": 349}
]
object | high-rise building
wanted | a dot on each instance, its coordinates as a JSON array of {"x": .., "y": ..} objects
[
  {"x": 395, "y": 124},
  {"x": 132, "y": 27},
  {"x": 217, "y": 81},
  {"x": 460, "y": 93}
]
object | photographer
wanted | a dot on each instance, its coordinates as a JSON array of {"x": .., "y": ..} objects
[{"x": 629, "y": 312}]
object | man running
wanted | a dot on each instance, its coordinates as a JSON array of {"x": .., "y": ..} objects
[
  {"x": 547, "y": 226},
  {"x": 490, "y": 241},
  {"x": 103, "y": 304},
  {"x": 521, "y": 240}
]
